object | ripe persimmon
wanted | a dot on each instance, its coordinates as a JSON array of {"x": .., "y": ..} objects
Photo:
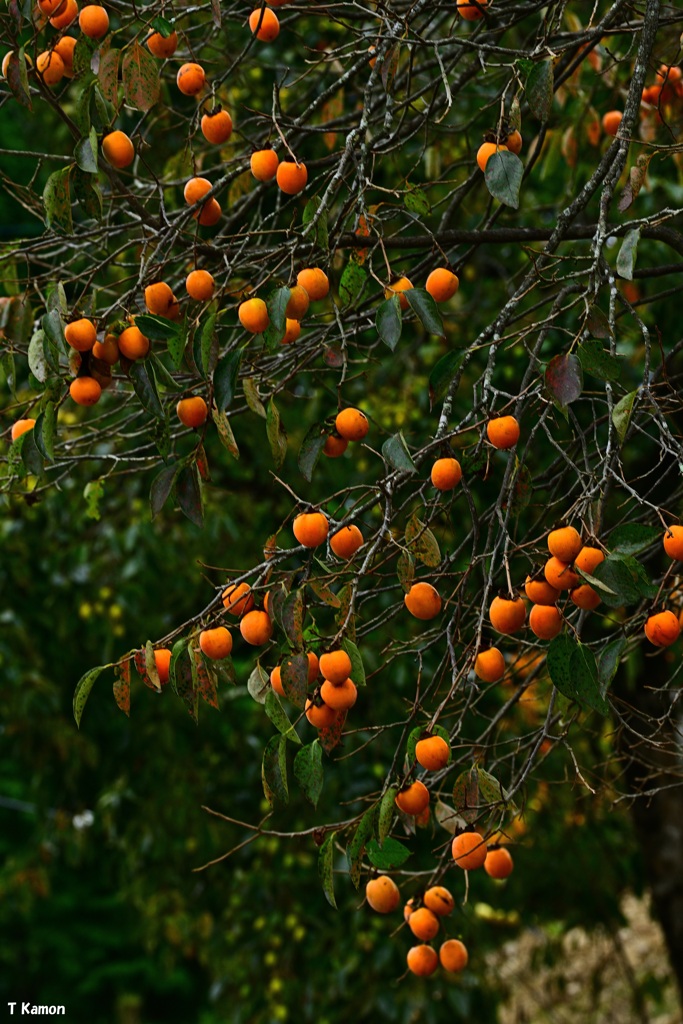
[
  {"x": 94, "y": 21},
  {"x": 564, "y": 543},
  {"x": 335, "y": 446},
  {"x": 351, "y": 424},
  {"x": 585, "y": 597},
  {"x": 489, "y": 665},
  {"x": 335, "y": 666},
  {"x": 423, "y": 601},
  {"x": 50, "y": 6},
  {"x": 432, "y": 752},
  {"x": 238, "y": 599},
  {"x": 319, "y": 715},
  {"x": 588, "y": 559},
  {"x": 507, "y": 615},
  {"x": 191, "y": 79},
  {"x": 499, "y": 863},
  {"x": 65, "y": 48},
  {"x": 85, "y": 391},
  {"x": 65, "y": 14},
  {"x": 291, "y": 177},
  {"x": 253, "y": 315},
  {"x": 311, "y": 528},
  {"x": 611, "y": 121},
  {"x": 439, "y": 900},
  {"x": 345, "y": 542},
  {"x": 382, "y": 894},
  {"x": 315, "y": 281},
  {"x": 133, "y": 344},
  {"x": 50, "y": 67},
  {"x": 209, "y": 214},
  {"x": 160, "y": 299},
  {"x": 422, "y": 960},
  {"x": 81, "y": 334},
  {"x": 292, "y": 331},
  {"x": 340, "y": 696},
  {"x": 403, "y": 284},
  {"x": 423, "y": 923},
  {"x": 256, "y": 627},
  {"x": 545, "y": 621},
  {"x": 673, "y": 542},
  {"x": 313, "y": 666},
  {"x": 503, "y": 432},
  {"x": 20, "y": 427},
  {"x": 662, "y": 629},
  {"x": 471, "y": 11},
  {"x": 560, "y": 575},
  {"x": 118, "y": 149},
  {"x": 265, "y": 24},
  {"x": 163, "y": 46},
  {"x": 200, "y": 285},
  {"x": 453, "y": 955},
  {"x": 298, "y": 303},
  {"x": 195, "y": 189},
  {"x": 216, "y": 643},
  {"x": 193, "y": 411},
  {"x": 514, "y": 142},
  {"x": 539, "y": 590},
  {"x": 442, "y": 284},
  {"x": 446, "y": 474},
  {"x": 469, "y": 850},
  {"x": 162, "y": 659},
  {"x": 107, "y": 350},
  {"x": 413, "y": 799},
  {"x": 217, "y": 127},
  {"x": 276, "y": 681},
  {"x": 486, "y": 151},
  {"x": 264, "y": 164}
]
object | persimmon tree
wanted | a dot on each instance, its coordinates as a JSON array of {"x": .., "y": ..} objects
[{"x": 184, "y": 303}]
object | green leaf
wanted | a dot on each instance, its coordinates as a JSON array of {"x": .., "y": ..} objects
[
  {"x": 503, "y": 177},
  {"x": 626, "y": 578},
  {"x": 157, "y": 328},
  {"x": 37, "y": 363},
  {"x": 490, "y": 788},
  {"x": 86, "y": 152},
  {"x": 466, "y": 795},
  {"x": 53, "y": 330},
  {"x": 386, "y": 814},
  {"x": 356, "y": 847},
  {"x": 442, "y": 374},
  {"x": 621, "y": 415},
  {"x": 626, "y": 260},
  {"x": 161, "y": 374},
  {"x": 83, "y": 54},
  {"x": 598, "y": 361},
  {"x": 276, "y": 433},
  {"x": 179, "y": 652},
  {"x": 163, "y": 26},
  {"x": 57, "y": 202},
  {"x": 121, "y": 686},
  {"x": 357, "y": 667},
  {"x": 93, "y": 492},
  {"x": 278, "y": 716},
  {"x": 311, "y": 447},
  {"x": 405, "y": 568},
  {"x": 140, "y": 74},
  {"x": 416, "y": 201},
  {"x": 277, "y": 315},
  {"x": 573, "y": 670},
  {"x": 609, "y": 661},
  {"x": 225, "y": 379},
  {"x": 161, "y": 488},
  {"x": 108, "y": 75},
  {"x": 56, "y": 298},
  {"x": 322, "y": 591},
  {"x": 274, "y": 771},
  {"x": 321, "y": 231},
  {"x": 258, "y": 685},
  {"x": 632, "y": 538},
  {"x": 292, "y": 617},
  {"x": 208, "y": 345},
  {"x": 539, "y": 90},
  {"x": 427, "y": 311},
  {"x": 598, "y": 324},
  {"x": 352, "y": 283},
  {"x": 225, "y": 434},
  {"x": 421, "y": 542},
  {"x": 146, "y": 388},
  {"x": 389, "y": 321},
  {"x": 252, "y": 398},
  {"x": 44, "y": 431},
  {"x": 564, "y": 379},
  {"x": 294, "y": 676},
  {"x": 87, "y": 192},
  {"x": 391, "y": 854},
  {"x": 17, "y": 78},
  {"x": 82, "y": 691},
  {"x": 395, "y": 452},
  {"x": 325, "y": 868},
  {"x": 189, "y": 494},
  {"x": 308, "y": 771}
]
